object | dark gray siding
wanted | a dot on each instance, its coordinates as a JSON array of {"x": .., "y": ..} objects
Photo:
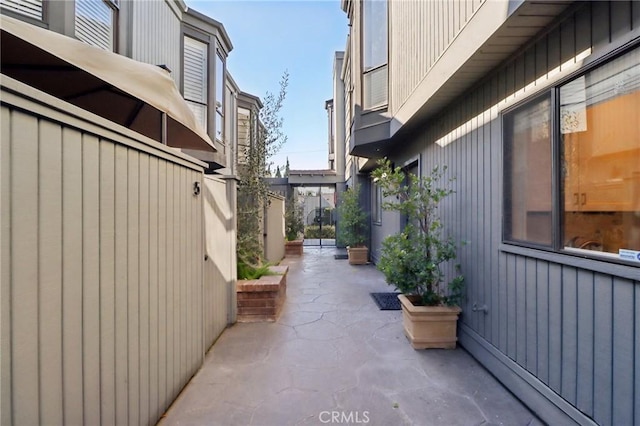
[{"x": 562, "y": 332}]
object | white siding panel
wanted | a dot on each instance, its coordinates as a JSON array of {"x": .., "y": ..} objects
[
  {"x": 121, "y": 285},
  {"x": 50, "y": 277},
  {"x": 91, "y": 272},
  {"x": 72, "y": 275},
  {"x": 24, "y": 269},
  {"x": 163, "y": 284},
  {"x": 156, "y": 35},
  {"x": 6, "y": 410},
  {"x": 107, "y": 283},
  {"x": 133, "y": 253},
  {"x": 143, "y": 289},
  {"x": 153, "y": 289}
]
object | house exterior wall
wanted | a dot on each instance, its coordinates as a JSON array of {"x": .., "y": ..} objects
[
  {"x": 101, "y": 267},
  {"x": 427, "y": 31},
  {"x": 560, "y": 331},
  {"x": 338, "y": 115},
  {"x": 155, "y": 34}
]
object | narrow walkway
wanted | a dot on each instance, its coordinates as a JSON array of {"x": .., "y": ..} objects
[{"x": 334, "y": 358}]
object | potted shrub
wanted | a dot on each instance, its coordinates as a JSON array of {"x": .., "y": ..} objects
[
  {"x": 293, "y": 226},
  {"x": 413, "y": 259},
  {"x": 353, "y": 226}
]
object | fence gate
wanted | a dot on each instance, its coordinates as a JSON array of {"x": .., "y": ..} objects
[{"x": 319, "y": 214}]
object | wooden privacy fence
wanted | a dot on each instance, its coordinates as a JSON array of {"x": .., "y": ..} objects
[
  {"x": 220, "y": 248},
  {"x": 101, "y": 268},
  {"x": 274, "y": 229}
]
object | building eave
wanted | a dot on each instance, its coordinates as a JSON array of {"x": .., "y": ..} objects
[{"x": 199, "y": 20}]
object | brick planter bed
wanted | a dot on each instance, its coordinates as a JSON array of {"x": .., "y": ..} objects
[
  {"x": 262, "y": 299},
  {"x": 293, "y": 248}
]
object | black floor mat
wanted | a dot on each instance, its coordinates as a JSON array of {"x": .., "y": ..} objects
[
  {"x": 387, "y": 301},
  {"x": 340, "y": 256}
]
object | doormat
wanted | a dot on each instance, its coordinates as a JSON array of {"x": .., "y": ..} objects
[
  {"x": 387, "y": 301},
  {"x": 340, "y": 256}
]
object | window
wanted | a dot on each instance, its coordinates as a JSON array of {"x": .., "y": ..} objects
[
  {"x": 195, "y": 78},
  {"x": 219, "y": 97},
  {"x": 376, "y": 203},
  {"x": 374, "y": 53},
  {"x": 30, "y": 8},
  {"x": 527, "y": 157},
  {"x": 95, "y": 23},
  {"x": 598, "y": 155},
  {"x": 600, "y": 148},
  {"x": 244, "y": 134}
]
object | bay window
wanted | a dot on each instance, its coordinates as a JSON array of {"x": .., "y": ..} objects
[
  {"x": 597, "y": 207},
  {"x": 29, "y": 8},
  {"x": 95, "y": 22},
  {"x": 195, "y": 78}
]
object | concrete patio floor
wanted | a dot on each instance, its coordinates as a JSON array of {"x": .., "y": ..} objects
[{"x": 334, "y": 358}]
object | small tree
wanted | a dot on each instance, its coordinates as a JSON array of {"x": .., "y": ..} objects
[
  {"x": 412, "y": 259},
  {"x": 352, "y": 224},
  {"x": 278, "y": 174},
  {"x": 266, "y": 137},
  {"x": 293, "y": 222}
]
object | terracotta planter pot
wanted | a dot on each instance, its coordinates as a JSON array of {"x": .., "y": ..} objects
[
  {"x": 293, "y": 248},
  {"x": 358, "y": 255},
  {"x": 429, "y": 326}
]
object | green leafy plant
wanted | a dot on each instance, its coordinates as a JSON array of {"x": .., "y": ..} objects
[
  {"x": 412, "y": 260},
  {"x": 293, "y": 224},
  {"x": 249, "y": 272},
  {"x": 314, "y": 231},
  {"x": 353, "y": 223}
]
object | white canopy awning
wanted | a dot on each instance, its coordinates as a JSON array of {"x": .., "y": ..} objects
[{"x": 136, "y": 95}]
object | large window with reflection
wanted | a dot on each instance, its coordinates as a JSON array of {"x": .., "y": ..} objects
[
  {"x": 600, "y": 147},
  {"x": 374, "y": 53},
  {"x": 591, "y": 205}
]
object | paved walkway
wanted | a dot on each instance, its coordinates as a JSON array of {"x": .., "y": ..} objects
[{"x": 334, "y": 358}]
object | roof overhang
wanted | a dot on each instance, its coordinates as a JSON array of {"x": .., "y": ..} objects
[
  {"x": 211, "y": 26},
  {"x": 464, "y": 65},
  {"x": 497, "y": 31},
  {"x": 313, "y": 177},
  {"x": 248, "y": 100},
  {"x": 139, "y": 96}
]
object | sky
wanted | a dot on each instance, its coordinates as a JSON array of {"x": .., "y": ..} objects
[{"x": 299, "y": 36}]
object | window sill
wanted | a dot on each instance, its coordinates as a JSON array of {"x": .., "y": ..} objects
[
  {"x": 379, "y": 108},
  {"x": 582, "y": 259}
]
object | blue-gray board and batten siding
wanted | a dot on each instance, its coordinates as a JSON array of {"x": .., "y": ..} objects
[{"x": 561, "y": 332}]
